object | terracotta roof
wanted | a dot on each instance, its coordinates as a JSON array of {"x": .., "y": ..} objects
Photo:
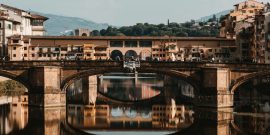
[
  {"x": 126, "y": 38},
  {"x": 40, "y": 17}
]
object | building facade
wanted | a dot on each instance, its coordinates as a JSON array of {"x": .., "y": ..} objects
[
  {"x": 267, "y": 33},
  {"x": 248, "y": 24},
  {"x": 14, "y": 21},
  {"x": 120, "y": 47}
]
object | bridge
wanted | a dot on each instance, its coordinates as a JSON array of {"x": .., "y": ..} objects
[{"x": 214, "y": 83}]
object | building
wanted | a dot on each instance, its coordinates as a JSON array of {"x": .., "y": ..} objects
[
  {"x": 14, "y": 21},
  {"x": 82, "y": 32},
  {"x": 246, "y": 23},
  {"x": 104, "y": 48},
  {"x": 267, "y": 33},
  {"x": 246, "y": 9}
]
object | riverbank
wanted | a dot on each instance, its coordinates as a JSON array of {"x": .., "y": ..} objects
[{"x": 11, "y": 88}]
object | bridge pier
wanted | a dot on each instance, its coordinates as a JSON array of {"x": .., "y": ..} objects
[
  {"x": 215, "y": 91},
  {"x": 45, "y": 87},
  {"x": 46, "y": 120},
  {"x": 215, "y": 121},
  {"x": 89, "y": 89}
]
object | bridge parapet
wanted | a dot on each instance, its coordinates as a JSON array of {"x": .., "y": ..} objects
[{"x": 158, "y": 64}]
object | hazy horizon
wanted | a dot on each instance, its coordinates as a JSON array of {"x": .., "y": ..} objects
[{"x": 127, "y": 12}]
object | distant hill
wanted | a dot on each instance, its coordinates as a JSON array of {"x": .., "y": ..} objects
[
  {"x": 218, "y": 15},
  {"x": 61, "y": 25}
]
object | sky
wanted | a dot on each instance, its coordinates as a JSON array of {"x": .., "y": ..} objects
[{"x": 128, "y": 12}]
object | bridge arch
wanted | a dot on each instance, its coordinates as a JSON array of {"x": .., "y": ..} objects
[
  {"x": 240, "y": 81},
  {"x": 15, "y": 78},
  {"x": 84, "y": 34},
  {"x": 131, "y": 53},
  {"x": 115, "y": 54},
  {"x": 174, "y": 73}
]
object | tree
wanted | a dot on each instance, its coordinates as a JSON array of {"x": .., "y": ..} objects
[
  {"x": 173, "y": 29},
  {"x": 95, "y": 33}
]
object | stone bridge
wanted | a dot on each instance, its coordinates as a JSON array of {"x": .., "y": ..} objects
[{"x": 214, "y": 83}]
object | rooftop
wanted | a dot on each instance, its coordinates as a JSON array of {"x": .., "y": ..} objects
[
  {"x": 12, "y": 8},
  {"x": 36, "y": 16}
]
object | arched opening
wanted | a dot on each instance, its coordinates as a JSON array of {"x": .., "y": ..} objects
[
  {"x": 146, "y": 55},
  {"x": 116, "y": 55},
  {"x": 182, "y": 86},
  {"x": 84, "y": 35},
  {"x": 13, "y": 104},
  {"x": 127, "y": 115},
  {"x": 131, "y": 54},
  {"x": 252, "y": 94}
]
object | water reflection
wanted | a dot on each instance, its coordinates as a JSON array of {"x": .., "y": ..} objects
[
  {"x": 87, "y": 110},
  {"x": 131, "y": 87},
  {"x": 170, "y": 118},
  {"x": 127, "y": 87},
  {"x": 253, "y": 96},
  {"x": 13, "y": 116}
]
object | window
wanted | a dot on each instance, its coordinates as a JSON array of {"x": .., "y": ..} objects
[
  {"x": 33, "y": 48},
  {"x": 26, "y": 41},
  {"x": 88, "y": 55},
  {"x": 49, "y": 49},
  {"x": 9, "y": 26},
  {"x": 39, "y": 55},
  {"x": 14, "y": 48},
  {"x": 54, "y": 55},
  {"x": 37, "y": 22},
  {"x": 145, "y": 43},
  {"x": 0, "y": 25},
  {"x": 131, "y": 43},
  {"x": 57, "y": 49},
  {"x": 33, "y": 55},
  {"x": 15, "y": 41},
  {"x": 44, "y": 55},
  {"x": 49, "y": 55},
  {"x": 63, "y": 48},
  {"x": 14, "y": 55},
  {"x": 25, "y": 48},
  {"x": 116, "y": 43},
  {"x": 25, "y": 55},
  {"x": 40, "y": 49}
]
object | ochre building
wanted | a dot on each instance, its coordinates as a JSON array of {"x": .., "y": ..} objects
[{"x": 121, "y": 47}]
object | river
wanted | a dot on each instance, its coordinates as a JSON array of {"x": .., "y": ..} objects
[{"x": 136, "y": 104}]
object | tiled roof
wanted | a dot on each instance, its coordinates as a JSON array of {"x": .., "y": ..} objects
[{"x": 36, "y": 16}]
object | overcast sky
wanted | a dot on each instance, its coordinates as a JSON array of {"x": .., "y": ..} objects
[{"x": 127, "y": 12}]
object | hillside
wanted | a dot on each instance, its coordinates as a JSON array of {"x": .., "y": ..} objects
[
  {"x": 63, "y": 25},
  {"x": 218, "y": 15},
  {"x": 60, "y": 25}
]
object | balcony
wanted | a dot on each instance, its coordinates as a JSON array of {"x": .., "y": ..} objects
[{"x": 38, "y": 28}]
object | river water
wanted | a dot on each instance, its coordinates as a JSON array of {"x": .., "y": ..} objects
[{"x": 135, "y": 104}]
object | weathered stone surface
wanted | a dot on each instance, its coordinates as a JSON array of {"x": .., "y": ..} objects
[{"x": 46, "y": 88}]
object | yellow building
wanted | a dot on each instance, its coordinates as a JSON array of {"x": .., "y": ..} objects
[{"x": 105, "y": 48}]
